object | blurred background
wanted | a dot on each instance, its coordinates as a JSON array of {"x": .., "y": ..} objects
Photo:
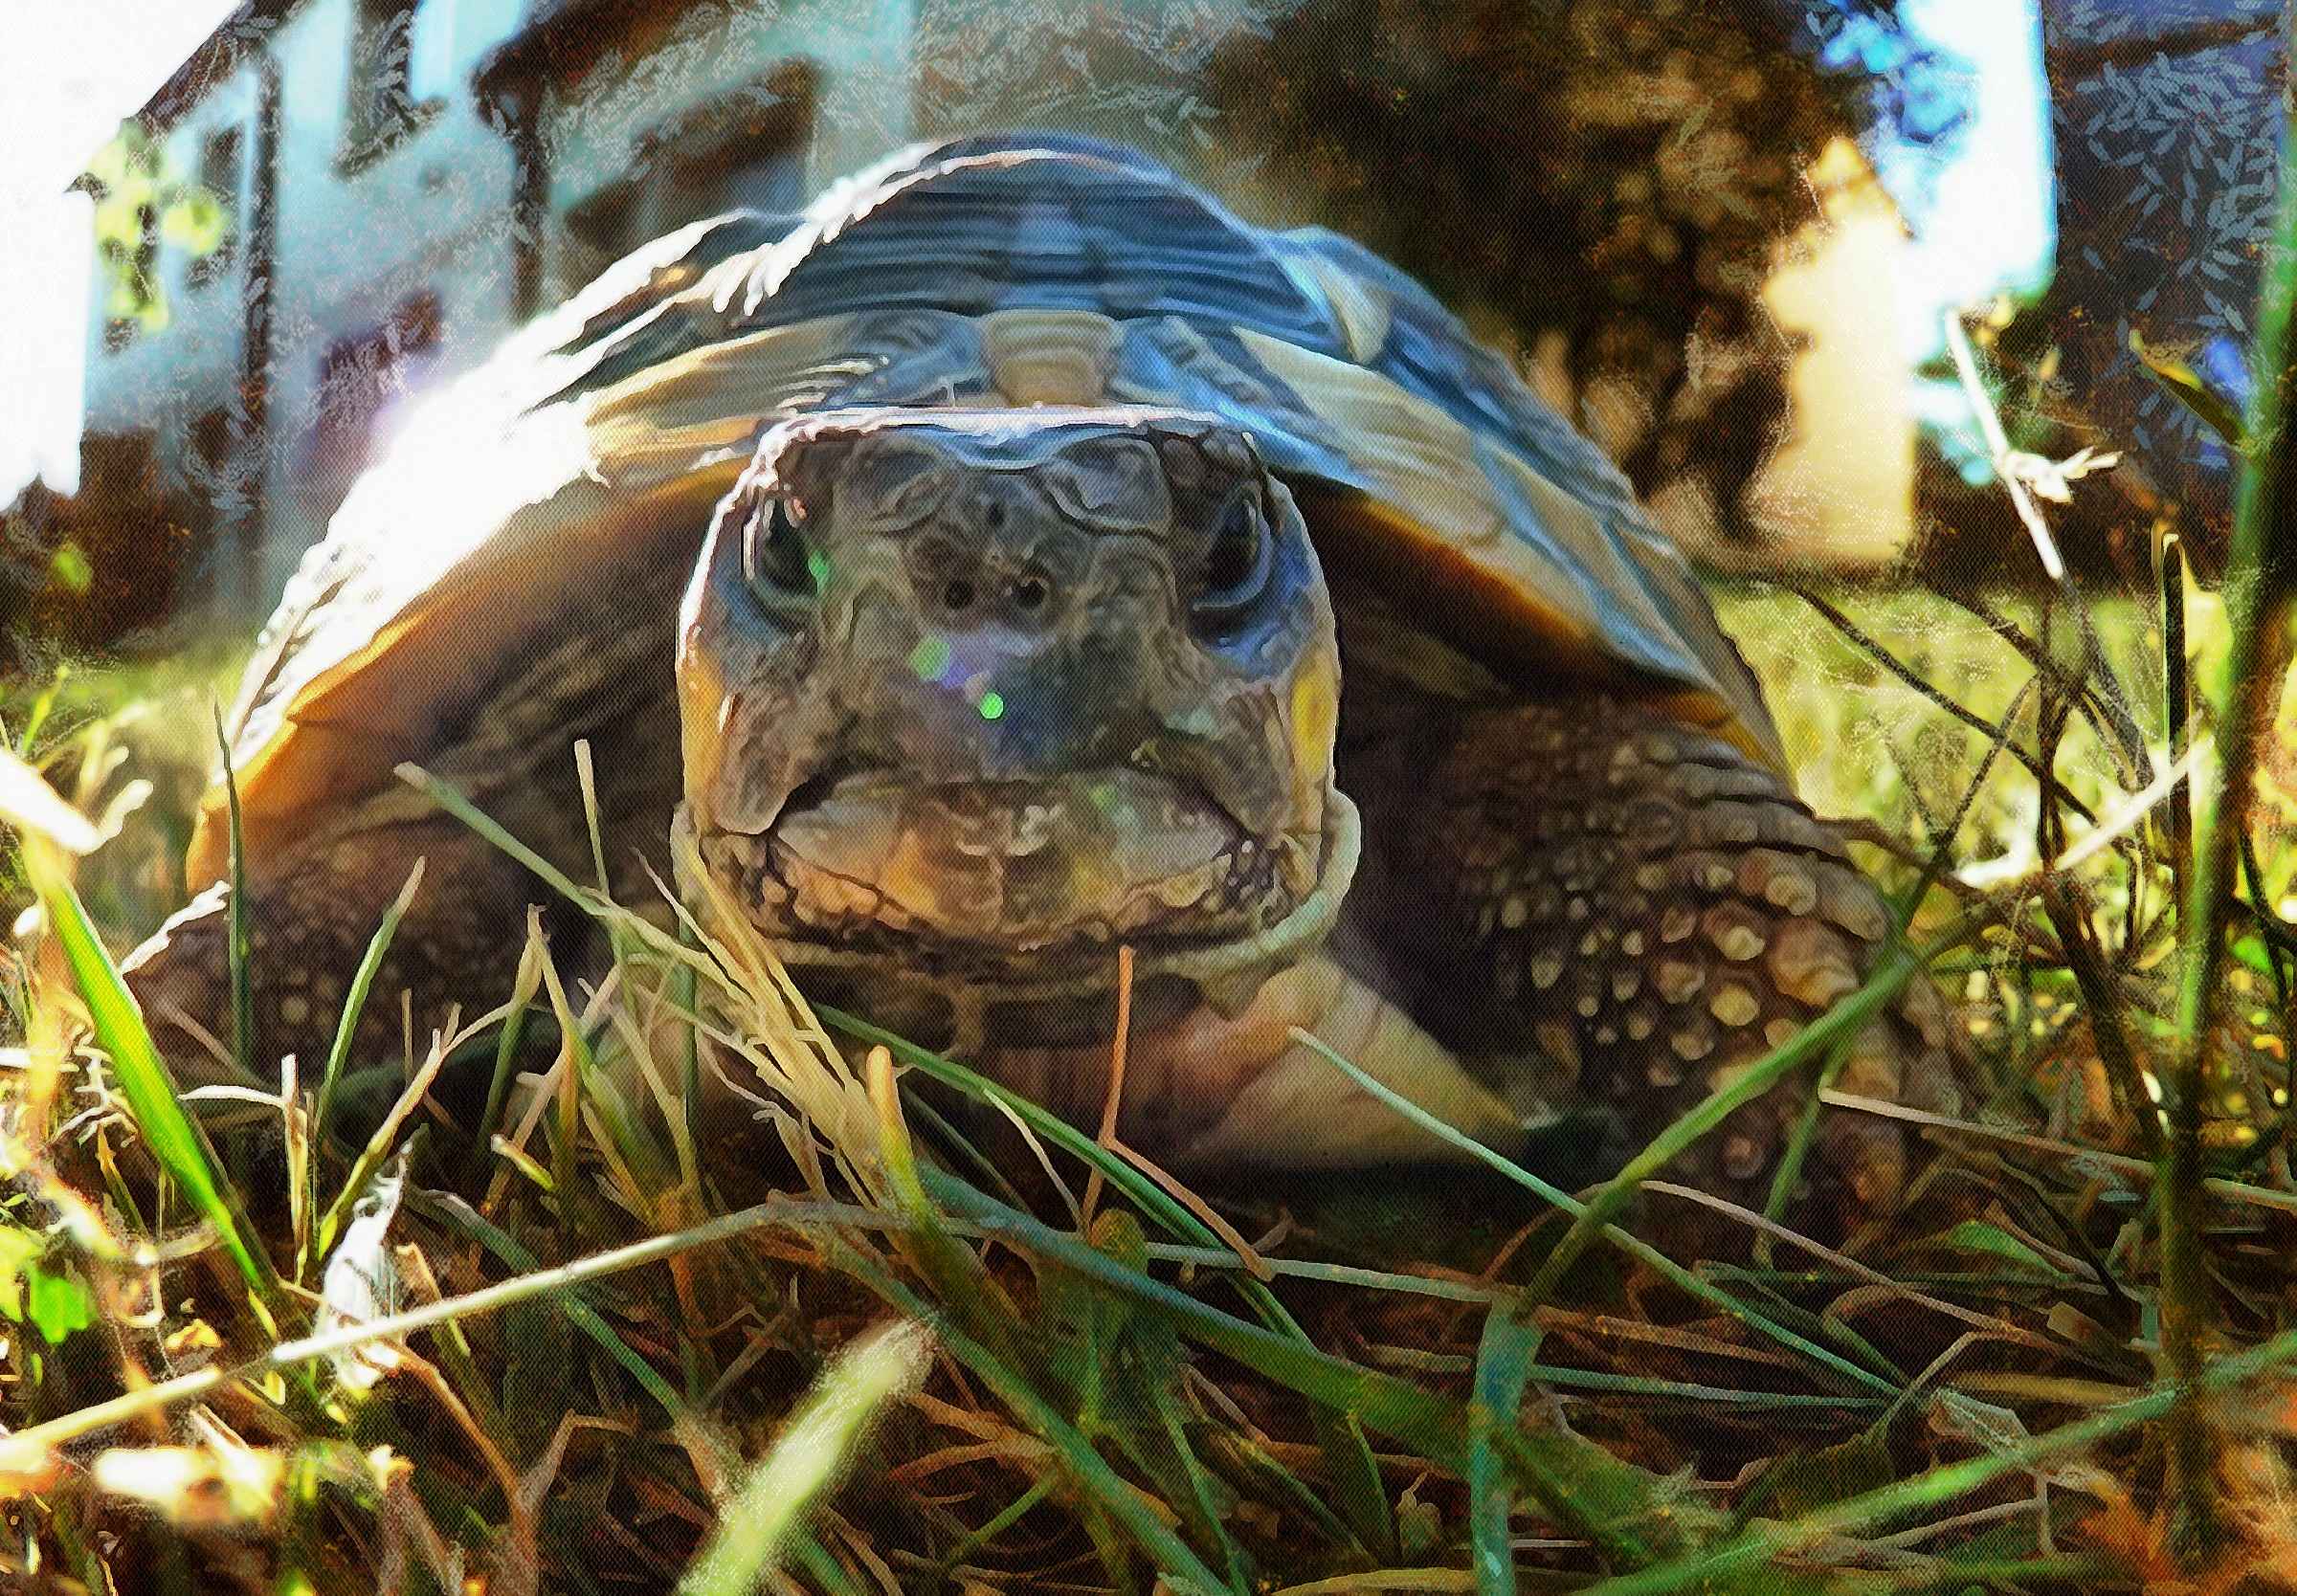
[{"x": 1725, "y": 238}]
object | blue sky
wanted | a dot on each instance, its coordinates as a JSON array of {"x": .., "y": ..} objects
[{"x": 1992, "y": 227}]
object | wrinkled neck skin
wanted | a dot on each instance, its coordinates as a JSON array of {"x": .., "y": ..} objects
[
  {"x": 971, "y": 699},
  {"x": 1064, "y": 998}
]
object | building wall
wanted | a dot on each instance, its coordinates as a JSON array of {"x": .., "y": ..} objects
[
  {"x": 354, "y": 243},
  {"x": 430, "y": 216},
  {"x": 603, "y": 133},
  {"x": 1129, "y": 70},
  {"x": 166, "y": 378},
  {"x": 886, "y": 73},
  {"x": 397, "y": 272}
]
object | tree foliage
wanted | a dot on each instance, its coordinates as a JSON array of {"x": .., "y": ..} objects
[{"x": 142, "y": 200}]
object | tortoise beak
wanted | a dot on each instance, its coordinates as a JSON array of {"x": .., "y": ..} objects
[{"x": 1021, "y": 864}]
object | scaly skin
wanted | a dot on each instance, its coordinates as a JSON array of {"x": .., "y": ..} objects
[{"x": 1650, "y": 910}]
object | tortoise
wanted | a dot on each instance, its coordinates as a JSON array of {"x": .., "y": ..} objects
[{"x": 1017, "y": 557}]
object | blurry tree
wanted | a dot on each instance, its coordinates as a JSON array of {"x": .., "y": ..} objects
[
  {"x": 83, "y": 573},
  {"x": 1602, "y": 184},
  {"x": 142, "y": 201},
  {"x": 1607, "y": 185},
  {"x": 2167, "y": 119}
]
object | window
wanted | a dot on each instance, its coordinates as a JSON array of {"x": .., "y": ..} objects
[
  {"x": 481, "y": 24},
  {"x": 360, "y": 379},
  {"x": 220, "y": 176},
  {"x": 448, "y": 38},
  {"x": 380, "y": 103},
  {"x": 747, "y": 149},
  {"x": 212, "y": 467},
  {"x": 219, "y": 164},
  {"x": 605, "y": 224}
]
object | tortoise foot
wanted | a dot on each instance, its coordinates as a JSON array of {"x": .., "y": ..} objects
[
  {"x": 313, "y": 908},
  {"x": 1651, "y": 911}
]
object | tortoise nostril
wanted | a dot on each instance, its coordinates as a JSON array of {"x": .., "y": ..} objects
[
  {"x": 1031, "y": 592},
  {"x": 958, "y": 595}
]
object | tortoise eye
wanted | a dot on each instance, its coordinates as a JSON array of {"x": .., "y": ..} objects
[
  {"x": 775, "y": 556},
  {"x": 1235, "y": 570}
]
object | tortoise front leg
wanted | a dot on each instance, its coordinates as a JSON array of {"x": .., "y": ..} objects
[
  {"x": 1592, "y": 885},
  {"x": 312, "y": 912}
]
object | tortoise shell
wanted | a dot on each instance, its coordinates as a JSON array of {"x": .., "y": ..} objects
[{"x": 976, "y": 272}]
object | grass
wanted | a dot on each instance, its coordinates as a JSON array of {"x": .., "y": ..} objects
[
  {"x": 893, "y": 1375},
  {"x": 588, "y": 1349}
]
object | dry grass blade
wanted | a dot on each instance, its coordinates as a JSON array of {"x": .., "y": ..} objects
[
  {"x": 18, "y": 1451},
  {"x": 29, "y": 804},
  {"x": 380, "y": 1143},
  {"x": 1943, "y": 1484},
  {"x": 2123, "y": 817},
  {"x": 1998, "y": 447}
]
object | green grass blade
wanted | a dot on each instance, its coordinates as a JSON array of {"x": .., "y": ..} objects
[
  {"x": 2176, "y": 378},
  {"x": 41, "y": 707},
  {"x": 758, "y": 1528},
  {"x": 954, "y": 1140},
  {"x": 1391, "y": 1405},
  {"x": 1183, "y": 1571},
  {"x": 2260, "y": 591},
  {"x": 459, "y": 1214},
  {"x": 1010, "y": 1515},
  {"x": 153, "y": 1099},
  {"x": 1503, "y": 1369},
  {"x": 478, "y": 820},
  {"x": 1245, "y": 1454},
  {"x": 966, "y": 1289},
  {"x": 1357, "y": 1488},
  {"x": 1151, "y": 1198},
  {"x": 524, "y": 985},
  {"x": 1709, "y": 1568},
  {"x": 1348, "y": 1455},
  {"x": 1682, "y": 1278},
  {"x": 827, "y": 1571},
  {"x": 1140, "y": 1360},
  {"x": 1681, "y": 1393},
  {"x": 1632, "y": 1513},
  {"x": 354, "y": 1003},
  {"x": 240, "y": 948},
  {"x": 1199, "y": 1482}
]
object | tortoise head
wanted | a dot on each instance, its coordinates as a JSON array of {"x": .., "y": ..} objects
[{"x": 968, "y": 698}]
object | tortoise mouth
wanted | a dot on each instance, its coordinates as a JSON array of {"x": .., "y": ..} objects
[{"x": 999, "y": 869}]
